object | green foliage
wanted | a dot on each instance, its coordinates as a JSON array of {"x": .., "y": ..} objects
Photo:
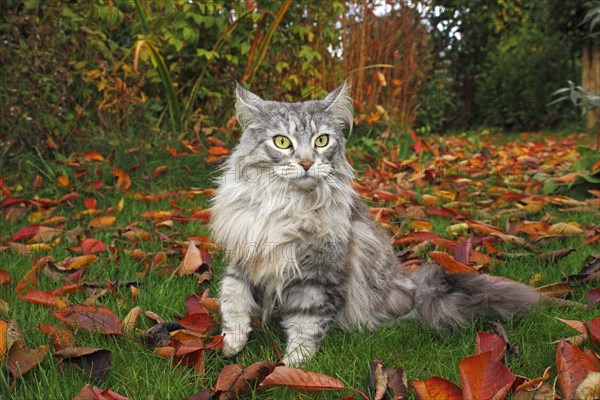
[
  {"x": 524, "y": 68},
  {"x": 436, "y": 103}
]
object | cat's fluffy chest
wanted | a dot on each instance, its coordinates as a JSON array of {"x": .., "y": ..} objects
[{"x": 264, "y": 225}]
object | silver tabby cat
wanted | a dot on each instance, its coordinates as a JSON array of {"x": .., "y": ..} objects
[{"x": 304, "y": 249}]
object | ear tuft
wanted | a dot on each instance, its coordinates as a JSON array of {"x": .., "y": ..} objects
[
  {"x": 339, "y": 104},
  {"x": 246, "y": 105}
]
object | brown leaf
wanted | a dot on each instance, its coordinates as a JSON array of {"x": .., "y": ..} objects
[
  {"x": 131, "y": 319},
  {"x": 386, "y": 382},
  {"x": 560, "y": 289},
  {"x": 573, "y": 367},
  {"x": 59, "y": 336},
  {"x": 194, "y": 259},
  {"x": 20, "y": 359},
  {"x": 535, "y": 383},
  {"x": 89, "y": 392},
  {"x": 4, "y": 277},
  {"x": 95, "y": 362},
  {"x": 90, "y": 318},
  {"x": 436, "y": 388},
  {"x": 593, "y": 298},
  {"x": 44, "y": 298},
  {"x": 92, "y": 246},
  {"x": 301, "y": 380},
  {"x": 594, "y": 328},
  {"x": 485, "y": 341},
  {"x": 197, "y": 322},
  {"x": 102, "y": 222},
  {"x": 484, "y": 378},
  {"x": 30, "y": 280},
  {"x": 227, "y": 377},
  {"x": 554, "y": 256}
]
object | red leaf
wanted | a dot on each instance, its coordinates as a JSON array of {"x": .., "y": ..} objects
[
  {"x": 68, "y": 197},
  {"x": 484, "y": 378},
  {"x": 485, "y": 341},
  {"x": 449, "y": 263},
  {"x": 92, "y": 246},
  {"x": 301, "y": 380},
  {"x": 43, "y": 298},
  {"x": 4, "y": 277},
  {"x": 26, "y": 233},
  {"x": 593, "y": 298},
  {"x": 59, "y": 336},
  {"x": 89, "y": 392},
  {"x": 90, "y": 318},
  {"x": 197, "y": 322},
  {"x": 436, "y": 388},
  {"x": 573, "y": 367},
  {"x": 594, "y": 328},
  {"x": 90, "y": 203}
]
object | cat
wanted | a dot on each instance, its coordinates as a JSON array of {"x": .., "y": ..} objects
[{"x": 303, "y": 247}]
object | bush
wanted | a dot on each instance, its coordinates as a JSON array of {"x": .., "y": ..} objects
[{"x": 518, "y": 79}]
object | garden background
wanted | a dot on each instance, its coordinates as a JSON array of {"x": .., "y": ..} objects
[{"x": 475, "y": 144}]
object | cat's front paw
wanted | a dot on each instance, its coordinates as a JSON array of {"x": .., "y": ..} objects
[{"x": 232, "y": 346}]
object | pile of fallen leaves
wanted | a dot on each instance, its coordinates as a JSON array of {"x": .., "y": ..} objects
[{"x": 473, "y": 185}]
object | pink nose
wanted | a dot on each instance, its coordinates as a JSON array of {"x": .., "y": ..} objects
[{"x": 306, "y": 164}]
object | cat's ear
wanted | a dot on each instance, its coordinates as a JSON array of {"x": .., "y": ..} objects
[
  {"x": 246, "y": 105},
  {"x": 339, "y": 104}
]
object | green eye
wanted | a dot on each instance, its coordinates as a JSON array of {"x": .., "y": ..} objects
[
  {"x": 322, "y": 141},
  {"x": 282, "y": 142}
]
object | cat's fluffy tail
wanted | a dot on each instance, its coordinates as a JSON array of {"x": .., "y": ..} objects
[{"x": 443, "y": 299}]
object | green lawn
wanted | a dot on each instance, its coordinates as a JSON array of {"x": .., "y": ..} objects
[{"x": 139, "y": 374}]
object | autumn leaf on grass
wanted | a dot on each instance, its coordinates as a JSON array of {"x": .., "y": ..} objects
[
  {"x": 301, "y": 380},
  {"x": 387, "y": 382},
  {"x": 573, "y": 367},
  {"x": 436, "y": 388},
  {"x": 44, "y": 298},
  {"x": 123, "y": 179},
  {"x": 201, "y": 304},
  {"x": 235, "y": 381},
  {"x": 194, "y": 260},
  {"x": 59, "y": 336},
  {"x": 30, "y": 280},
  {"x": 4, "y": 277},
  {"x": 485, "y": 341},
  {"x": 21, "y": 359},
  {"x": 3, "y": 328},
  {"x": 590, "y": 271},
  {"x": 95, "y": 362},
  {"x": 89, "y": 392},
  {"x": 92, "y": 246},
  {"x": 593, "y": 298},
  {"x": 76, "y": 263},
  {"x": 26, "y": 233},
  {"x": 197, "y": 322},
  {"x": 103, "y": 222},
  {"x": 90, "y": 318},
  {"x": 449, "y": 263},
  {"x": 594, "y": 329},
  {"x": 484, "y": 378}
]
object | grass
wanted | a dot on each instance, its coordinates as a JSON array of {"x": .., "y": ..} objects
[{"x": 139, "y": 374}]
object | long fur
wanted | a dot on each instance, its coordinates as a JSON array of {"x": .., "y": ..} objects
[{"x": 304, "y": 249}]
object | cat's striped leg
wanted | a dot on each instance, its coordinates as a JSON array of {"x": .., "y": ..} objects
[
  {"x": 237, "y": 304},
  {"x": 308, "y": 314}
]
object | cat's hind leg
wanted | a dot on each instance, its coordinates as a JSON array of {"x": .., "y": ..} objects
[{"x": 237, "y": 304}]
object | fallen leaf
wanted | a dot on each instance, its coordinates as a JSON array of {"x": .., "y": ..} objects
[
  {"x": 59, "y": 336},
  {"x": 484, "y": 378},
  {"x": 3, "y": 329},
  {"x": 573, "y": 367},
  {"x": 594, "y": 329},
  {"x": 90, "y": 318},
  {"x": 589, "y": 388},
  {"x": 593, "y": 298},
  {"x": 564, "y": 229},
  {"x": 131, "y": 319},
  {"x": 449, "y": 263},
  {"x": 102, "y": 222},
  {"x": 92, "y": 246},
  {"x": 300, "y": 380},
  {"x": 30, "y": 280},
  {"x": 194, "y": 259},
  {"x": 89, "y": 392},
  {"x": 197, "y": 322},
  {"x": 95, "y": 362},
  {"x": 20, "y": 359},
  {"x": 560, "y": 289},
  {"x": 159, "y": 334},
  {"x": 43, "y": 298},
  {"x": 4, "y": 277},
  {"x": 485, "y": 341},
  {"x": 387, "y": 382},
  {"x": 436, "y": 388},
  {"x": 123, "y": 179}
]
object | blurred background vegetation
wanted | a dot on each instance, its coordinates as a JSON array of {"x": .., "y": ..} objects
[{"x": 76, "y": 70}]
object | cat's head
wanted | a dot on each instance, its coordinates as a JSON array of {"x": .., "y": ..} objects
[{"x": 302, "y": 143}]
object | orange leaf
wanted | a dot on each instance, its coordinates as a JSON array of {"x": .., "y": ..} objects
[
  {"x": 449, "y": 263},
  {"x": 123, "y": 179},
  {"x": 573, "y": 367},
  {"x": 43, "y": 298},
  {"x": 103, "y": 222},
  {"x": 90, "y": 203},
  {"x": 301, "y": 380},
  {"x": 75, "y": 263},
  {"x": 92, "y": 246},
  {"x": 484, "y": 378},
  {"x": 3, "y": 329},
  {"x": 29, "y": 280},
  {"x": 90, "y": 318},
  {"x": 4, "y": 277},
  {"x": 62, "y": 180},
  {"x": 59, "y": 336},
  {"x": 485, "y": 341},
  {"x": 436, "y": 388},
  {"x": 93, "y": 156},
  {"x": 159, "y": 170},
  {"x": 218, "y": 151}
]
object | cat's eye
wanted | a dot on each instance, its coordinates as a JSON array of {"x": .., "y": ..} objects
[
  {"x": 282, "y": 142},
  {"x": 322, "y": 141}
]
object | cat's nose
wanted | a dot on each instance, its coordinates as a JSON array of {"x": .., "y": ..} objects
[{"x": 306, "y": 164}]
